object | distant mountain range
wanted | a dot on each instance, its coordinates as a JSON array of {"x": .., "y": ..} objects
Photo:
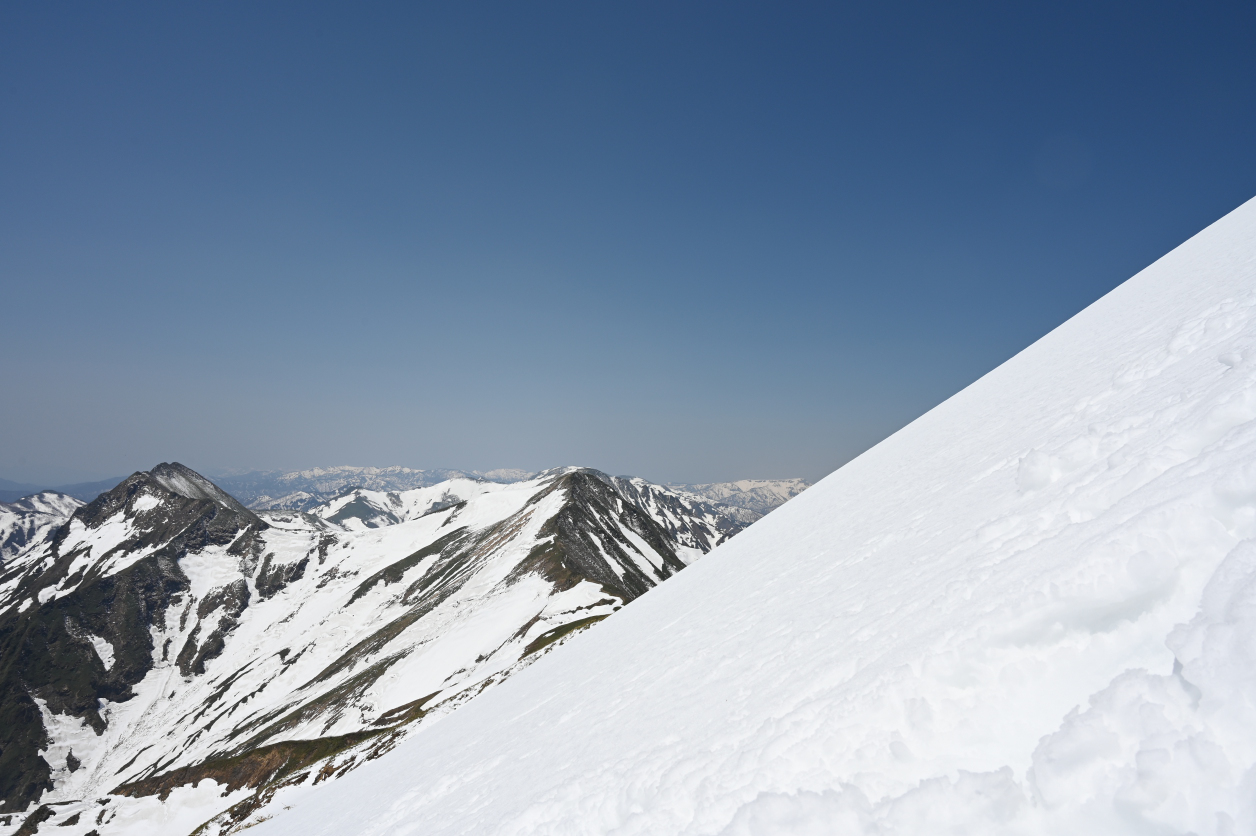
[
  {"x": 274, "y": 490},
  {"x": 756, "y": 496}
]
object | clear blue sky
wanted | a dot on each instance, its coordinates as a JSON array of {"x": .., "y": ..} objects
[{"x": 687, "y": 241}]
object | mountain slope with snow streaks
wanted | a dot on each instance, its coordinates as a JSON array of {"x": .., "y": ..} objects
[{"x": 173, "y": 657}]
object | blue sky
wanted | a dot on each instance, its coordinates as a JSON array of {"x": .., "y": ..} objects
[{"x": 687, "y": 241}]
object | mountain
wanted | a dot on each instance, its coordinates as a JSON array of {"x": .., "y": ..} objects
[
  {"x": 172, "y": 656},
  {"x": 1031, "y": 611},
  {"x": 28, "y": 521},
  {"x": 304, "y": 489},
  {"x": 755, "y": 496}
]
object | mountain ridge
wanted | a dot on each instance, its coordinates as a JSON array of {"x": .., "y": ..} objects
[{"x": 342, "y": 637}]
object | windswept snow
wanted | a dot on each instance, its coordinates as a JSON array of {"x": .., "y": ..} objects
[{"x": 1032, "y": 611}]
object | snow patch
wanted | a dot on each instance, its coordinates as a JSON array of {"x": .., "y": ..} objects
[
  {"x": 145, "y": 502},
  {"x": 103, "y": 649}
]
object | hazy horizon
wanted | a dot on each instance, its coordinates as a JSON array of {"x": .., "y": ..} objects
[{"x": 218, "y": 473}]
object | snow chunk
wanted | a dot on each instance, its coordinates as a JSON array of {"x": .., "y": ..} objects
[{"x": 145, "y": 502}]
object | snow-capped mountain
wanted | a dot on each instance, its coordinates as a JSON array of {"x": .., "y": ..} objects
[
  {"x": 755, "y": 496},
  {"x": 172, "y": 656},
  {"x": 29, "y": 520},
  {"x": 1031, "y": 611},
  {"x": 304, "y": 489}
]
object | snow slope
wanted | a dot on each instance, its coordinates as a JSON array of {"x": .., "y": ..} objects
[{"x": 1032, "y": 611}]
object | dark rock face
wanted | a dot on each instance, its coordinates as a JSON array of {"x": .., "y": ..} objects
[
  {"x": 675, "y": 516},
  {"x": 272, "y": 578},
  {"x": 48, "y": 657},
  {"x": 228, "y": 602},
  {"x": 31, "y": 825},
  {"x": 44, "y": 650},
  {"x": 583, "y": 531}
]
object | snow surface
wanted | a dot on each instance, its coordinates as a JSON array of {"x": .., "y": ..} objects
[{"x": 1032, "y": 611}]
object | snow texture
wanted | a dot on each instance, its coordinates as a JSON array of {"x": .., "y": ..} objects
[{"x": 1032, "y": 611}]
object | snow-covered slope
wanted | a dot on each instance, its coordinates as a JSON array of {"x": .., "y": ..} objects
[
  {"x": 29, "y": 520},
  {"x": 1032, "y": 611},
  {"x": 174, "y": 648},
  {"x": 755, "y": 496}
]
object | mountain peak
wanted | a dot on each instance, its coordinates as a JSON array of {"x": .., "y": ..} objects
[
  {"x": 186, "y": 482},
  {"x": 169, "y": 485}
]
